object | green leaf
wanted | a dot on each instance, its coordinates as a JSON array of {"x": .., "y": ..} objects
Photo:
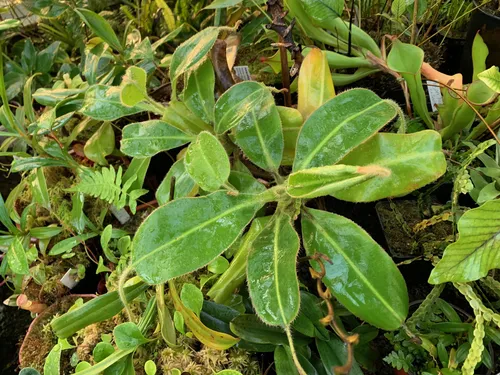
[
  {"x": 236, "y": 104},
  {"x": 128, "y": 336},
  {"x": 271, "y": 272},
  {"x": 103, "y": 103},
  {"x": 51, "y": 97},
  {"x": 190, "y": 53},
  {"x": 479, "y": 54},
  {"x": 334, "y": 353},
  {"x": 245, "y": 183},
  {"x": 291, "y": 122},
  {"x": 219, "y": 4},
  {"x": 53, "y": 361},
  {"x": 150, "y": 367},
  {"x": 491, "y": 78},
  {"x": 26, "y": 164},
  {"x": 199, "y": 94},
  {"x": 398, "y": 7},
  {"x": 102, "y": 350},
  {"x": 133, "y": 87},
  {"x": 105, "y": 238},
  {"x": 100, "y": 27},
  {"x": 4, "y": 217},
  {"x": 101, "y": 144},
  {"x": 28, "y": 370},
  {"x": 218, "y": 266},
  {"x": 137, "y": 170},
  {"x": 320, "y": 181},
  {"x": 16, "y": 257},
  {"x": 192, "y": 298},
  {"x": 361, "y": 276},
  {"x": 184, "y": 183},
  {"x": 315, "y": 85},
  {"x": 43, "y": 233},
  {"x": 39, "y": 189},
  {"x": 207, "y": 162},
  {"x": 193, "y": 232},
  {"x": 477, "y": 250},
  {"x": 284, "y": 362},
  {"x": 101, "y": 267},
  {"x": 407, "y": 59},
  {"x": 340, "y": 125},
  {"x": 69, "y": 243},
  {"x": 322, "y": 11},
  {"x": 412, "y": 160},
  {"x": 144, "y": 139},
  {"x": 9, "y": 24}
]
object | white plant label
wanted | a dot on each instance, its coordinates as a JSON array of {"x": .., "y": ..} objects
[
  {"x": 434, "y": 94},
  {"x": 243, "y": 72}
]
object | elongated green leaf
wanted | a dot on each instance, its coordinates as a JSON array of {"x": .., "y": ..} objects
[
  {"x": 334, "y": 353},
  {"x": 315, "y": 83},
  {"x": 320, "y": 181},
  {"x": 361, "y": 276},
  {"x": 407, "y": 60},
  {"x": 26, "y": 164},
  {"x": 100, "y": 27},
  {"x": 101, "y": 144},
  {"x": 249, "y": 327},
  {"x": 236, "y": 104},
  {"x": 193, "y": 232},
  {"x": 322, "y": 11},
  {"x": 491, "y": 78},
  {"x": 137, "y": 170},
  {"x": 103, "y": 103},
  {"x": 52, "y": 364},
  {"x": 409, "y": 161},
  {"x": 218, "y": 4},
  {"x": 340, "y": 125},
  {"x": 477, "y": 250},
  {"x": 398, "y": 7},
  {"x": 9, "y": 24},
  {"x": 43, "y": 233},
  {"x": 271, "y": 272},
  {"x": 96, "y": 310},
  {"x": 5, "y": 218},
  {"x": 184, "y": 183},
  {"x": 69, "y": 243},
  {"x": 16, "y": 257},
  {"x": 51, "y": 97},
  {"x": 144, "y": 139},
  {"x": 291, "y": 123},
  {"x": 209, "y": 337},
  {"x": 479, "y": 54},
  {"x": 199, "y": 95},
  {"x": 39, "y": 189},
  {"x": 190, "y": 53},
  {"x": 207, "y": 162}
]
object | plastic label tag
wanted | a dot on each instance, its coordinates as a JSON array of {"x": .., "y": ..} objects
[
  {"x": 122, "y": 214},
  {"x": 68, "y": 280},
  {"x": 434, "y": 94},
  {"x": 243, "y": 72}
]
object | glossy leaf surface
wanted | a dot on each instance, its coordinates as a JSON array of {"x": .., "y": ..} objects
[
  {"x": 103, "y": 103},
  {"x": 491, "y": 77},
  {"x": 192, "y": 298},
  {"x": 410, "y": 161},
  {"x": 184, "y": 183},
  {"x": 101, "y": 144},
  {"x": 340, "y": 125},
  {"x": 361, "y": 276},
  {"x": 199, "y": 94},
  {"x": 271, "y": 272},
  {"x": 128, "y": 336},
  {"x": 291, "y": 122},
  {"x": 16, "y": 257},
  {"x": 477, "y": 250},
  {"x": 193, "y": 232},
  {"x": 334, "y": 353},
  {"x": 315, "y": 83},
  {"x": 207, "y": 162},
  {"x": 143, "y": 139},
  {"x": 100, "y": 27}
]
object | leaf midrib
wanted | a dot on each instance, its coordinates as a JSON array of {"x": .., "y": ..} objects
[
  {"x": 231, "y": 110},
  {"x": 360, "y": 275}
]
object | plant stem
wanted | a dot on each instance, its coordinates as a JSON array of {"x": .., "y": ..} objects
[
  {"x": 414, "y": 22},
  {"x": 121, "y": 292},
  {"x": 294, "y": 353}
]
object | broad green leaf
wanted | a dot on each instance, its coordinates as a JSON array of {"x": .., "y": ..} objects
[
  {"x": 193, "y": 232},
  {"x": 479, "y": 54},
  {"x": 103, "y": 103},
  {"x": 491, "y": 78},
  {"x": 101, "y": 144},
  {"x": 259, "y": 134},
  {"x": 271, "y": 272},
  {"x": 39, "y": 189},
  {"x": 192, "y": 298},
  {"x": 133, "y": 87},
  {"x": 340, "y": 125},
  {"x": 190, "y": 53},
  {"x": 209, "y": 337},
  {"x": 144, "y": 139},
  {"x": 128, "y": 336},
  {"x": 184, "y": 183},
  {"x": 218, "y": 266},
  {"x": 406, "y": 162},
  {"x": 9, "y": 24},
  {"x": 4, "y": 217},
  {"x": 28, "y": 370},
  {"x": 179, "y": 115},
  {"x": 53, "y": 361},
  {"x": 69, "y": 243},
  {"x": 100, "y": 27},
  {"x": 320, "y": 181},
  {"x": 361, "y": 276},
  {"x": 477, "y": 250},
  {"x": 407, "y": 59},
  {"x": 43, "y": 233},
  {"x": 137, "y": 170},
  {"x": 322, "y": 11},
  {"x": 16, "y": 257},
  {"x": 236, "y": 104},
  {"x": 245, "y": 183},
  {"x": 102, "y": 350},
  {"x": 334, "y": 353},
  {"x": 150, "y": 367},
  {"x": 479, "y": 93},
  {"x": 207, "y": 162},
  {"x": 291, "y": 123},
  {"x": 315, "y": 82},
  {"x": 285, "y": 365},
  {"x": 398, "y": 7},
  {"x": 51, "y": 97},
  {"x": 199, "y": 95}
]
